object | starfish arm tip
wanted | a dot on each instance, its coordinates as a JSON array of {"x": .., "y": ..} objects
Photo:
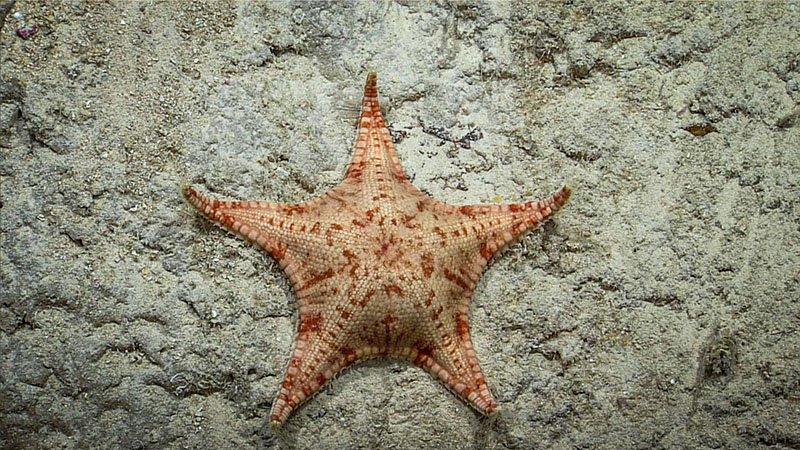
[
  {"x": 192, "y": 196},
  {"x": 371, "y": 86},
  {"x": 186, "y": 188},
  {"x": 563, "y": 195}
]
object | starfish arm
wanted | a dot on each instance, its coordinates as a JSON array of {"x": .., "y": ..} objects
[
  {"x": 477, "y": 235},
  {"x": 482, "y": 232},
  {"x": 453, "y": 257},
  {"x": 374, "y": 154},
  {"x": 463, "y": 240},
  {"x": 511, "y": 223},
  {"x": 374, "y": 168},
  {"x": 290, "y": 233},
  {"x": 327, "y": 342},
  {"x": 449, "y": 355},
  {"x": 320, "y": 351}
]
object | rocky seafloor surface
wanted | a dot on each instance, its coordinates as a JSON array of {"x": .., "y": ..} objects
[{"x": 659, "y": 309}]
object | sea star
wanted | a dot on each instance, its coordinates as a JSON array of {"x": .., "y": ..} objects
[{"x": 379, "y": 268}]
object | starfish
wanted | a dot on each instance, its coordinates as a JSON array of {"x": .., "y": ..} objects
[{"x": 379, "y": 268}]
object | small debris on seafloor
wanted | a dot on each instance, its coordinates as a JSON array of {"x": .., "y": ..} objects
[
  {"x": 26, "y": 32},
  {"x": 700, "y": 129}
]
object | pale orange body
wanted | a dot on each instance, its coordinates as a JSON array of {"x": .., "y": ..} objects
[{"x": 379, "y": 268}]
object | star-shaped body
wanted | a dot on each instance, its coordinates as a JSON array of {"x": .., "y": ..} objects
[{"x": 379, "y": 268}]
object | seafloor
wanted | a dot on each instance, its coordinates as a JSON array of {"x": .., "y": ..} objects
[{"x": 659, "y": 309}]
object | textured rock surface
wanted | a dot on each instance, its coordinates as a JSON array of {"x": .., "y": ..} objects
[{"x": 659, "y": 309}]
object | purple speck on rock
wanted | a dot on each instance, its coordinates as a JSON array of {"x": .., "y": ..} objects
[{"x": 26, "y": 32}]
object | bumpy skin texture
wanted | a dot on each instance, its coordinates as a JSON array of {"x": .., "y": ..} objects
[{"x": 379, "y": 268}]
